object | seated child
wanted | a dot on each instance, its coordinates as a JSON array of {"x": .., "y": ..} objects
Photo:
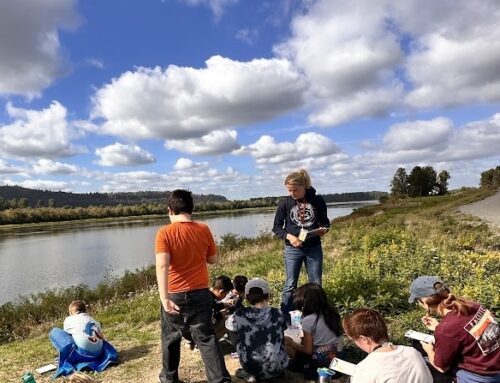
[
  {"x": 385, "y": 362},
  {"x": 322, "y": 330},
  {"x": 221, "y": 286},
  {"x": 234, "y": 299},
  {"x": 80, "y": 343},
  {"x": 260, "y": 345}
]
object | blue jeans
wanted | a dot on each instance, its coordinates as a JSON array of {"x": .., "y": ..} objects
[
  {"x": 294, "y": 257},
  {"x": 464, "y": 376},
  {"x": 195, "y": 318},
  {"x": 60, "y": 338}
]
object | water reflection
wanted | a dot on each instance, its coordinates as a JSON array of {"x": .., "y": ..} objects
[{"x": 63, "y": 255}]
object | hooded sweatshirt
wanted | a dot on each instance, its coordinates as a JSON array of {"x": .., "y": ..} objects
[
  {"x": 292, "y": 215},
  {"x": 260, "y": 344}
]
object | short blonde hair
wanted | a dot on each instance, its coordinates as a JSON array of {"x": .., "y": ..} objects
[
  {"x": 300, "y": 177},
  {"x": 78, "y": 377}
]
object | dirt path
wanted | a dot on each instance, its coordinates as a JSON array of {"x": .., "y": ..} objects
[{"x": 487, "y": 209}]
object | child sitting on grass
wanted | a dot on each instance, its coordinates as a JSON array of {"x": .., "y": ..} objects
[
  {"x": 322, "y": 331},
  {"x": 80, "y": 343},
  {"x": 385, "y": 362},
  {"x": 260, "y": 345},
  {"x": 221, "y": 286},
  {"x": 234, "y": 299}
]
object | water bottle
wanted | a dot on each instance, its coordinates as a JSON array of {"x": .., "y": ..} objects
[
  {"x": 28, "y": 378},
  {"x": 325, "y": 375}
]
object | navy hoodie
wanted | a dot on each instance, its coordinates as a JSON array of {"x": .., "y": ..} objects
[{"x": 288, "y": 218}]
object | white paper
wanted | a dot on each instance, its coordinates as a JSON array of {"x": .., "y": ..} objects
[
  {"x": 294, "y": 333},
  {"x": 343, "y": 366},
  {"x": 46, "y": 368},
  {"x": 427, "y": 338}
]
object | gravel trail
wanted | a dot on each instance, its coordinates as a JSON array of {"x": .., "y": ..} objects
[{"x": 487, "y": 209}]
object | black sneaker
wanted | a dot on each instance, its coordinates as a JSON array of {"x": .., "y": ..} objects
[{"x": 242, "y": 374}]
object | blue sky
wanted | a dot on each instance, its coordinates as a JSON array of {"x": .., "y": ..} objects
[{"x": 228, "y": 96}]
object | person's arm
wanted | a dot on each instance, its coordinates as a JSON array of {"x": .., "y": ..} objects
[
  {"x": 162, "y": 266},
  {"x": 307, "y": 344},
  {"x": 279, "y": 221},
  {"x": 431, "y": 354},
  {"x": 212, "y": 256},
  {"x": 212, "y": 259},
  {"x": 443, "y": 354},
  {"x": 323, "y": 220}
]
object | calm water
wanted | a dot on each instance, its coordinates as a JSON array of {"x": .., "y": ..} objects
[{"x": 32, "y": 261}]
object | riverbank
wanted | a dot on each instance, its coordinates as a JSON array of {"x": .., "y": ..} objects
[{"x": 371, "y": 257}]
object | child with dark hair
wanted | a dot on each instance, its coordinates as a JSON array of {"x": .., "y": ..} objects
[
  {"x": 234, "y": 300},
  {"x": 385, "y": 362},
  {"x": 260, "y": 345},
  {"x": 322, "y": 330},
  {"x": 221, "y": 286}
]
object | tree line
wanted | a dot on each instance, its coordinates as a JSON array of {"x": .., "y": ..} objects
[
  {"x": 421, "y": 182},
  {"x": 490, "y": 178},
  {"x": 61, "y": 206}
]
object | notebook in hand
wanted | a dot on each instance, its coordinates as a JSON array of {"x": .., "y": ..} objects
[
  {"x": 343, "y": 366},
  {"x": 427, "y": 338}
]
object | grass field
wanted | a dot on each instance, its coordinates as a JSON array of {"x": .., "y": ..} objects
[{"x": 370, "y": 259}]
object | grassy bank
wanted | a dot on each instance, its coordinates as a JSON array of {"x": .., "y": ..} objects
[{"x": 370, "y": 259}]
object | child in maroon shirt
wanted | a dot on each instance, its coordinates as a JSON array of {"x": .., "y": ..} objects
[{"x": 468, "y": 337}]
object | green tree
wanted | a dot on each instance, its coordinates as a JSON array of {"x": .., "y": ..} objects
[
  {"x": 51, "y": 203},
  {"x": 442, "y": 182},
  {"x": 422, "y": 181},
  {"x": 399, "y": 183}
]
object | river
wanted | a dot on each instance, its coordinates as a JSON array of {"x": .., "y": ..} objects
[{"x": 48, "y": 258}]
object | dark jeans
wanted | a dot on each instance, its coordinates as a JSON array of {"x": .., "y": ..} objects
[
  {"x": 294, "y": 258},
  {"x": 195, "y": 318}
]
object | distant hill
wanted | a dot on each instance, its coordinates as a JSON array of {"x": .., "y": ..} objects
[
  {"x": 354, "y": 196},
  {"x": 38, "y": 198},
  {"x": 59, "y": 198}
]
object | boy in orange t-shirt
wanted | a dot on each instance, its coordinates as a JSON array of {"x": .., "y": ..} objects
[{"x": 183, "y": 250}]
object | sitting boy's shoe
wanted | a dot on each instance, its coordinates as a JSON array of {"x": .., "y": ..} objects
[{"x": 242, "y": 374}]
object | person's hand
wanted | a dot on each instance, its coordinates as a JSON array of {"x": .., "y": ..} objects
[
  {"x": 170, "y": 307},
  {"x": 294, "y": 241},
  {"x": 322, "y": 231},
  {"x": 288, "y": 341},
  {"x": 428, "y": 347},
  {"x": 430, "y": 323}
]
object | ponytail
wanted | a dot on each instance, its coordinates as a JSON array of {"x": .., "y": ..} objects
[{"x": 444, "y": 299}]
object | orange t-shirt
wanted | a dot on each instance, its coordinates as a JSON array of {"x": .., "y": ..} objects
[{"x": 189, "y": 244}]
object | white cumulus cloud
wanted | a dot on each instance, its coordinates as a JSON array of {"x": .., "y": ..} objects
[
  {"x": 47, "y": 166},
  {"x": 307, "y": 146},
  {"x": 123, "y": 155},
  {"x": 349, "y": 56},
  {"x": 415, "y": 135},
  {"x": 30, "y": 52},
  {"x": 213, "y": 143},
  {"x": 180, "y": 103},
  {"x": 33, "y": 133}
]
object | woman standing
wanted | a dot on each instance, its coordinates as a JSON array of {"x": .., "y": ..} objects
[
  {"x": 301, "y": 219},
  {"x": 467, "y": 340}
]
